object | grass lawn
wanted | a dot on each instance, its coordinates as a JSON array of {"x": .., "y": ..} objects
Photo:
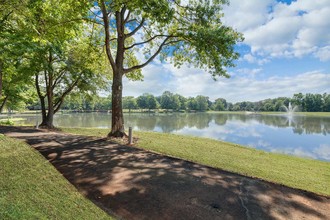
[
  {"x": 31, "y": 188},
  {"x": 306, "y": 174}
]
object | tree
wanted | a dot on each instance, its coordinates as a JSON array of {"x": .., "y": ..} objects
[
  {"x": 142, "y": 101},
  {"x": 147, "y": 101},
  {"x": 13, "y": 44},
  {"x": 173, "y": 30},
  {"x": 129, "y": 103},
  {"x": 152, "y": 102},
  {"x": 170, "y": 101},
  {"x": 202, "y": 103},
  {"x": 191, "y": 103},
  {"x": 57, "y": 58},
  {"x": 220, "y": 104},
  {"x": 183, "y": 101},
  {"x": 326, "y": 98},
  {"x": 313, "y": 102},
  {"x": 298, "y": 99},
  {"x": 65, "y": 70}
]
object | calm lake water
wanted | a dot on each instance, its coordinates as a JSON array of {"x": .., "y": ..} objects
[{"x": 297, "y": 135}]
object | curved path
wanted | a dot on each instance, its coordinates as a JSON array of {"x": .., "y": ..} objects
[{"x": 131, "y": 183}]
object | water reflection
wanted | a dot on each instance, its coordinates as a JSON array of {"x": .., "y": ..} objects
[{"x": 298, "y": 135}]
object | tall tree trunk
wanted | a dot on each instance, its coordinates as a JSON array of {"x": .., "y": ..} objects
[
  {"x": 50, "y": 113},
  {"x": 48, "y": 117},
  {"x": 48, "y": 122},
  {"x": 117, "y": 119},
  {"x": 42, "y": 101},
  {"x": 1, "y": 69},
  {"x": 43, "y": 109}
]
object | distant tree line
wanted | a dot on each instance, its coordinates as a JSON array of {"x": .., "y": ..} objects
[{"x": 175, "y": 102}]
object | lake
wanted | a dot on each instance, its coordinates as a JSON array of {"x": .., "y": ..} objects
[{"x": 303, "y": 136}]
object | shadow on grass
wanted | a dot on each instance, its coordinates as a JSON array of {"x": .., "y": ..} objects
[{"x": 136, "y": 184}]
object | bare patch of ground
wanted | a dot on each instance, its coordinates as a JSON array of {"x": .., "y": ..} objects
[{"x": 135, "y": 184}]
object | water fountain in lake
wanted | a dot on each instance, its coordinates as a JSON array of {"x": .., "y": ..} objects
[{"x": 290, "y": 109}]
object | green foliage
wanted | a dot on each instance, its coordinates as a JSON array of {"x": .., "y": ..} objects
[
  {"x": 147, "y": 101},
  {"x": 186, "y": 33},
  {"x": 182, "y": 33},
  {"x": 129, "y": 102},
  {"x": 14, "y": 41},
  {"x": 169, "y": 100},
  {"x": 84, "y": 101},
  {"x": 202, "y": 103},
  {"x": 219, "y": 104}
]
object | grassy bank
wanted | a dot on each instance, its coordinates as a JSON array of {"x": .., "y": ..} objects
[
  {"x": 306, "y": 174},
  {"x": 31, "y": 188}
]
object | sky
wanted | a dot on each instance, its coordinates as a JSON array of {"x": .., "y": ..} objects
[{"x": 286, "y": 51}]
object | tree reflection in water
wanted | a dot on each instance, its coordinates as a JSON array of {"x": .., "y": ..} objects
[{"x": 292, "y": 134}]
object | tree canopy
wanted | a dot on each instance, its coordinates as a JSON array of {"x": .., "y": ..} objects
[
  {"x": 48, "y": 43},
  {"x": 179, "y": 31}
]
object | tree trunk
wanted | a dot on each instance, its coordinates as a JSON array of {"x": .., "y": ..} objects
[
  {"x": 43, "y": 109},
  {"x": 42, "y": 102},
  {"x": 47, "y": 118},
  {"x": 48, "y": 121},
  {"x": 117, "y": 119},
  {"x": 1, "y": 69}
]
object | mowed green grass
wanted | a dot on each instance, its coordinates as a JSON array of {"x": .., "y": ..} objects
[
  {"x": 301, "y": 173},
  {"x": 31, "y": 188}
]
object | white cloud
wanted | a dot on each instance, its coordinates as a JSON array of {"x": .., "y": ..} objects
[
  {"x": 191, "y": 82},
  {"x": 272, "y": 29},
  {"x": 245, "y": 15},
  {"x": 321, "y": 152},
  {"x": 252, "y": 59},
  {"x": 248, "y": 71},
  {"x": 323, "y": 53},
  {"x": 280, "y": 30}
]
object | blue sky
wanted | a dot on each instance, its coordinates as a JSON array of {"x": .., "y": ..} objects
[{"x": 286, "y": 51}]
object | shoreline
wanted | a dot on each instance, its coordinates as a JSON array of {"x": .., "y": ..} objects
[{"x": 301, "y": 173}]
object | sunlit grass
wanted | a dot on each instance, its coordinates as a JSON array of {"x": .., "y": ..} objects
[
  {"x": 31, "y": 188},
  {"x": 306, "y": 174}
]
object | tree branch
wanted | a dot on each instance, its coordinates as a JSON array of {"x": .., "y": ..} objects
[
  {"x": 129, "y": 21},
  {"x": 107, "y": 35},
  {"x": 37, "y": 86},
  {"x": 6, "y": 17},
  {"x": 172, "y": 42},
  {"x": 95, "y": 14},
  {"x": 150, "y": 59},
  {"x": 46, "y": 78},
  {"x": 60, "y": 100},
  {"x": 135, "y": 30},
  {"x": 144, "y": 42},
  {"x": 59, "y": 78},
  {"x": 127, "y": 17}
]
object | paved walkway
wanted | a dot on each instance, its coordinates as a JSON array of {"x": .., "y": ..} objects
[{"x": 135, "y": 184}]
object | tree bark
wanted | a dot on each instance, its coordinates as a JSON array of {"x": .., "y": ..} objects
[
  {"x": 1, "y": 76},
  {"x": 42, "y": 101},
  {"x": 49, "y": 119},
  {"x": 43, "y": 109},
  {"x": 117, "y": 118}
]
